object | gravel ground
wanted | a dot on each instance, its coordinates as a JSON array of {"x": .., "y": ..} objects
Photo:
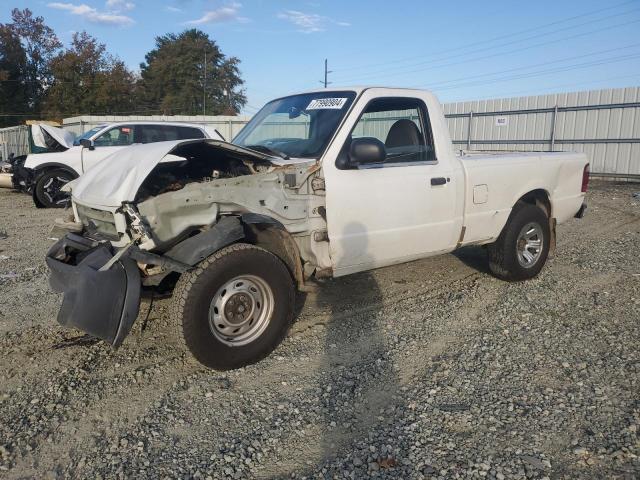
[{"x": 432, "y": 369}]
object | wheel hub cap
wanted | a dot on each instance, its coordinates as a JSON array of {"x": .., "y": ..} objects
[
  {"x": 529, "y": 245},
  {"x": 240, "y": 310}
]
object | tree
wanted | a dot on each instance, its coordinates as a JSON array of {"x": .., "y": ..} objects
[
  {"x": 86, "y": 79},
  {"x": 173, "y": 77},
  {"x": 40, "y": 44},
  {"x": 13, "y": 65}
]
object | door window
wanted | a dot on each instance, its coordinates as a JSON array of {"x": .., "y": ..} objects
[
  {"x": 185, "y": 133},
  {"x": 402, "y": 125},
  {"x": 115, "y": 137},
  {"x": 157, "y": 133},
  {"x": 163, "y": 133}
]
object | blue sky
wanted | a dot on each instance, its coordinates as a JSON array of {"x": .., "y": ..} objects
[{"x": 462, "y": 50}]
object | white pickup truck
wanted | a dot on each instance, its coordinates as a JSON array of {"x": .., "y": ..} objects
[{"x": 319, "y": 184}]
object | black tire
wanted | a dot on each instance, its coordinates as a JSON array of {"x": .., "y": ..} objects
[
  {"x": 504, "y": 259},
  {"x": 47, "y": 194},
  {"x": 195, "y": 291}
]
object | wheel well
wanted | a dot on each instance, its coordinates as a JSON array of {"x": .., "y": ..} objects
[
  {"x": 538, "y": 197},
  {"x": 279, "y": 242},
  {"x": 47, "y": 167}
]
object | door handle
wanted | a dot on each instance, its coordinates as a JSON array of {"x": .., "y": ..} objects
[{"x": 439, "y": 181}]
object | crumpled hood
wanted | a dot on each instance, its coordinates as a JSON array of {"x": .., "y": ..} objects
[
  {"x": 63, "y": 137},
  {"x": 117, "y": 178}
]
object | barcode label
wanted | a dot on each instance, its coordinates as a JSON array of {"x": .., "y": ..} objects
[{"x": 327, "y": 103}]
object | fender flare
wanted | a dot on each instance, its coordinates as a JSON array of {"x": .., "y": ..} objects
[
  {"x": 270, "y": 234},
  {"x": 195, "y": 249},
  {"x": 260, "y": 230}
]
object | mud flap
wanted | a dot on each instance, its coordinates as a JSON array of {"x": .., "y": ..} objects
[{"x": 101, "y": 303}]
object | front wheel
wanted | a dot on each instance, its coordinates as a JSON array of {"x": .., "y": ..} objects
[
  {"x": 235, "y": 307},
  {"x": 47, "y": 192},
  {"x": 522, "y": 248}
]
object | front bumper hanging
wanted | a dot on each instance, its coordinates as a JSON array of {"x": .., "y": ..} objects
[
  {"x": 102, "y": 303},
  {"x": 23, "y": 178}
]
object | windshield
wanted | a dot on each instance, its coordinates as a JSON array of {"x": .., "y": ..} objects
[
  {"x": 88, "y": 134},
  {"x": 298, "y": 126}
]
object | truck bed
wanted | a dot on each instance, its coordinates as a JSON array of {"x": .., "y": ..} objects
[{"x": 494, "y": 181}]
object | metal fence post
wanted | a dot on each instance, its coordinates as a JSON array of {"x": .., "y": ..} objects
[
  {"x": 553, "y": 128},
  {"x": 469, "y": 130}
]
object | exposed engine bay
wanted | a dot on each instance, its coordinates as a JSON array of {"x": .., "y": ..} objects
[
  {"x": 197, "y": 162},
  {"x": 172, "y": 195}
]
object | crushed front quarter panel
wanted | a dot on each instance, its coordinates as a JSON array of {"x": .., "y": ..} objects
[{"x": 296, "y": 207}]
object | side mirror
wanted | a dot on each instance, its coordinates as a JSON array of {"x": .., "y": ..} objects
[
  {"x": 367, "y": 150},
  {"x": 86, "y": 143}
]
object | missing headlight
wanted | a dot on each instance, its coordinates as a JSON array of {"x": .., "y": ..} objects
[{"x": 100, "y": 224}]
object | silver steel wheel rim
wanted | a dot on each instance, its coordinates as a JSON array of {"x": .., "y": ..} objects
[
  {"x": 529, "y": 245},
  {"x": 241, "y": 310}
]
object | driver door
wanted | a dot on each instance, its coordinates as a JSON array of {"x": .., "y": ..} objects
[{"x": 398, "y": 210}]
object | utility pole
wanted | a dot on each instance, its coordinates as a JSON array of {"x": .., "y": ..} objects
[
  {"x": 326, "y": 74},
  {"x": 204, "y": 87}
]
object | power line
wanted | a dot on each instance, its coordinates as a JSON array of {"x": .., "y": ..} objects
[
  {"x": 526, "y": 67},
  {"x": 494, "y": 39},
  {"x": 431, "y": 65},
  {"x": 542, "y": 72},
  {"x": 530, "y": 92}
]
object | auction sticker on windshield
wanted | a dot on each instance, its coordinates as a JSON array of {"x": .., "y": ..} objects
[{"x": 327, "y": 103}]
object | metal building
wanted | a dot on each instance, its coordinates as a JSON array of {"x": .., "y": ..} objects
[
  {"x": 603, "y": 123},
  {"x": 14, "y": 140}
]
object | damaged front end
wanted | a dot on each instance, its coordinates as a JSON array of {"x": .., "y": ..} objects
[
  {"x": 139, "y": 228},
  {"x": 101, "y": 291}
]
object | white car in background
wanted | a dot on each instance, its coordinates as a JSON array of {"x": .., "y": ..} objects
[{"x": 44, "y": 174}]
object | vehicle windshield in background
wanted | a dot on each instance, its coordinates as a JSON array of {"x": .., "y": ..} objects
[
  {"x": 298, "y": 126},
  {"x": 87, "y": 134}
]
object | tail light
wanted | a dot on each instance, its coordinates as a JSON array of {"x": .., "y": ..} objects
[{"x": 585, "y": 178}]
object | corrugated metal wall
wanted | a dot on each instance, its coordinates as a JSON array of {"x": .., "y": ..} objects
[
  {"x": 14, "y": 140},
  {"x": 228, "y": 126},
  {"x": 605, "y": 124}
]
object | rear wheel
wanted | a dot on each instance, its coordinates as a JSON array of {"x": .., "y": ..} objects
[
  {"x": 522, "y": 248},
  {"x": 235, "y": 307},
  {"x": 47, "y": 192}
]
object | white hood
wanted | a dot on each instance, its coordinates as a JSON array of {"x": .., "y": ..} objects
[
  {"x": 117, "y": 178},
  {"x": 63, "y": 137}
]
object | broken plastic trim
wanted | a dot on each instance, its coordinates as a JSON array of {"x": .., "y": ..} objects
[{"x": 102, "y": 303}]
